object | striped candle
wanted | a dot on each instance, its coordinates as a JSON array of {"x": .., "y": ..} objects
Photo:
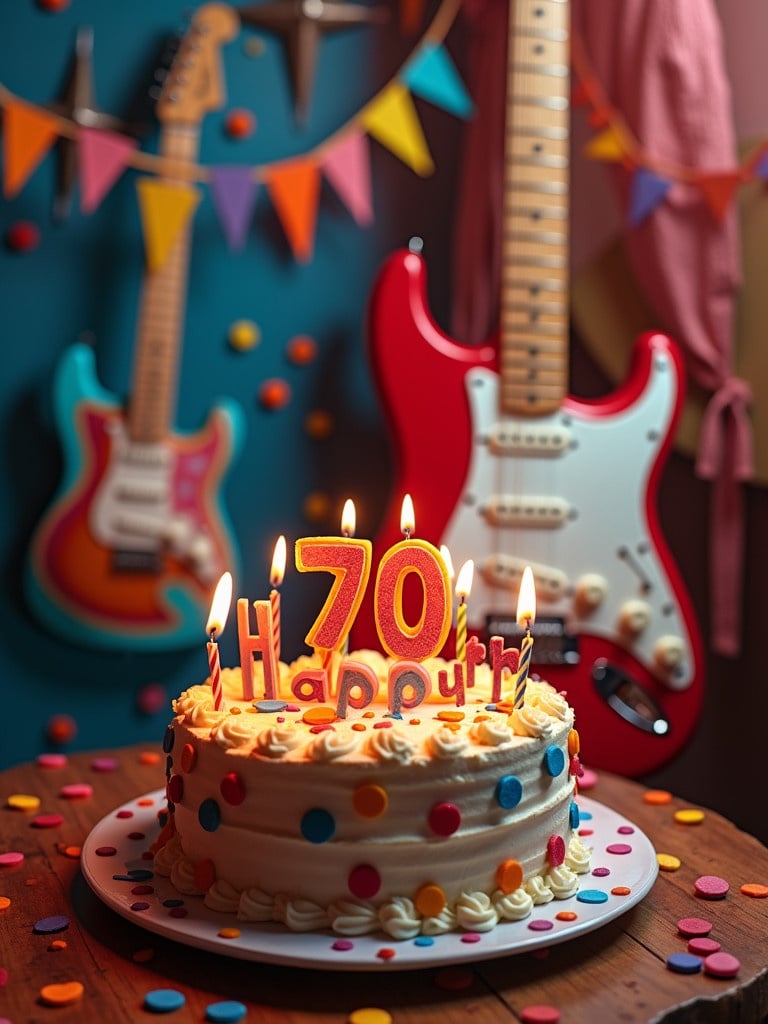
[
  {"x": 526, "y": 614},
  {"x": 222, "y": 598},
  {"x": 214, "y": 665},
  {"x": 276, "y": 574},
  {"x": 463, "y": 587}
]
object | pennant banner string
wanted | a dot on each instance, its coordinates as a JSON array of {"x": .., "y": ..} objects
[{"x": 433, "y": 35}]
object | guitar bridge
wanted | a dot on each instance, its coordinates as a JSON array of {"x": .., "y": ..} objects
[
  {"x": 554, "y": 645},
  {"x": 145, "y": 562}
]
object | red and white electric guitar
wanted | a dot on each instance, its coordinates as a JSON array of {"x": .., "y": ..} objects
[
  {"x": 507, "y": 469},
  {"x": 128, "y": 553}
]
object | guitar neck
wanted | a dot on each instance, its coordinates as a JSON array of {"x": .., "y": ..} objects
[
  {"x": 534, "y": 280},
  {"x": 161, "y": 317}
]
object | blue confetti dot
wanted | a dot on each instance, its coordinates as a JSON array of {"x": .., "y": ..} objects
[
  {"x": 173, "y": 903},
  {"x": 592, "y": 896},
  {"x": 168, "y": 739},
  {"x": 575, "y": 815},
  {"x": 268, "y": 706},
  {"x": 226, "y": 1012},
  {"x": 585, "y": 815},
  {"x": 209, "y": 815},
  {"x": 164, "y": 1000},
  {"x": 318, "y": 826},
  {"x": 424, "y": 940},
  {"x": 509, "y": 791},
  {"x": 50, "y": 925},
  {"x": 684, "y": 963},
  {"x": 140, "y": 874},
  {"x": 554, "y": 760}
]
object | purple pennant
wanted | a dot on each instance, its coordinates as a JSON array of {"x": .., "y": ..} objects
[
  {"x": 761, "y": 167},
  {"x": 234, "y": 195},
  {"x": 648, "y": 191}
]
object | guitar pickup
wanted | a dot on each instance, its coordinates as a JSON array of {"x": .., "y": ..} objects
[
  {"x": 506, "y": 571},
  {"x": 128, "y": 561},
  {"x": 541, "y": 513},
  {"x": 554, "y": 645},
  {"x": 538, "y": 440}
]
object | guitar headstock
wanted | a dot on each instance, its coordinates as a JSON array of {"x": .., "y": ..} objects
[{"x": 194, "y": 84}]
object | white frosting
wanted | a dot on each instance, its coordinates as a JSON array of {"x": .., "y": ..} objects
[
  {"x": 531, "y": 721},
  {"x": 222, "y": 897},
  {"x": 399, "y": 918},
  {"x": 331, "y": 745},
  {"x": 447, "y": 743},
  {"x": 255, "y": 905},
  {"x": 232, "y": 731},
  {"x": 352, "y": 917},
  {"x": 183, "y": 877},
  {"x": 278, "y": 741},
  {"x": 562, "y": 881},
  {"x": 300, "y": 915},
  {"x": 390, "y": 745},
  {"x": 512, "y": 906},
  {"x": 578, "y": 856},
  {"x": 538, "y": 890},
  {"x": 475, "y": 912},
  {"x": 444, "y": 922},
  {"x": 491, "y": 732}
]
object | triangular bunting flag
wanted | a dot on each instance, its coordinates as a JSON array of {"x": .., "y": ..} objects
[
  {"x": 348, "y": 168},
  {"x": 28, "y": 134},
  {"x": 234, "y": 194},
  {"x": 432, "y": 75},
  {"x": 606, "y": 146},
  {"x": 392, "y": 119},
  {"x": 411, "y": 13},
  {"x": 295, "y": 191},
  {"x": 718, "y": 190},
  {"x": 165, "y": 210},
  {"x": 648, "y": 191},
  {"x": 102, "y": 157},
  {"x": 760, "y": 163}
]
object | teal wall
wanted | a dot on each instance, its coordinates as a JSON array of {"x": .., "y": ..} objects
[{"x": 83, "y": 281}]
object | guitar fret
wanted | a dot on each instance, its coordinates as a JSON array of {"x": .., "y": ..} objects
[
  {"x": 547, "y": 102},
  {"x": 551, "y": 188},
  {"x": 540, "y": 160},
  {"x": 551, "y": 262},
  {"x": 553, "y": 35},
  {"x": 528, "y": 68},
  {"x": 535, "y": 286},
  {"x": 542, "y": 212},
  {"x": 539, "y": 131},
  {"x": 541, "y": 237},
  {"x": 556, "y": 308}
]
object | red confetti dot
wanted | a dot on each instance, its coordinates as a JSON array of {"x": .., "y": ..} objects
[
  {"x": 232, "y": 788},
  {"x": 23, "y": 236},
  {"x": 274, "y": 394},
  {"x": 555, "y": 851},
  {"x": 364, "y": 881},
  {"x": 540, "y": 1014},
  {"x": 47, "y": 821},
  {"x": 387, "y": 953},
  {"x": 51, "y": 761},
  {"x": 176, "y": 788},
  {"x": 76, "y": 791},
  {"x": 444, "y": 819},
  {"x": 240, "y": 123},
  {"x": 53, "y": 6}
]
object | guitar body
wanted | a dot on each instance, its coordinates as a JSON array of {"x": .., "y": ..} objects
[
  {"x": 573, "y": 494},
  {"x": 129, "y": 552}
]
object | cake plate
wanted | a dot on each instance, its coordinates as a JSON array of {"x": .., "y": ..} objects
[{"x": 623, "y": 870}]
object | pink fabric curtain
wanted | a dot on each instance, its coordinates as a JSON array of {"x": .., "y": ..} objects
[{"x": 659, "y": 62}]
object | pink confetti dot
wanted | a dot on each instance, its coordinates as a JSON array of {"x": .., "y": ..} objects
[
  {"x": 703, "y": 946},
  {"x": 51, "y": 761},
  {"x": 151, "y": 698},
  {"x": 3, "y": 976},
  {"x": 722, "y": 965},
  {"x": 470, "y": 937},
  {"x": 47, "y": 821},
  {"x": 587, "y": 779},
  {"x": 342, "y": 945},
  {"x": 11, "y": 859},
  {"x": 619, "y": 848},
  {"x": 124, "y": 814},
  {"x": 555, "y": 851},
  {"x": 540, "y": 1014},
  {"x": 711, "y": 887},
  {"x": 694, "y": 926},
  {"x": 104, "y": 764},
  {"x": 76, "y": 791}
]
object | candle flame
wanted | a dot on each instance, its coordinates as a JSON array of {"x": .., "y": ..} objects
[
  {"x": 464, "y": 582},
  {"x": 222, "y": 598},
  {"x": 448, "y": 562},
  {"x": 348, "y": 519},
  {"x": 277, "y": 571},
  {"x": 526, "y": 600},
  {"x": 407, "y": 517}
]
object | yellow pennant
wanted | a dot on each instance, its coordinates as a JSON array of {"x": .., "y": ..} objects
[
  {"x": 28, "y": 134},
  {"x": 165, "y": 210},
  {"x": 391, "y": 118},
  {"x": 607, "y": 146}
]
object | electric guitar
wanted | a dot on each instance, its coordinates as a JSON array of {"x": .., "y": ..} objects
[
  {"x": 506, "y": 468},
  {"x": 128, "y": 553}
]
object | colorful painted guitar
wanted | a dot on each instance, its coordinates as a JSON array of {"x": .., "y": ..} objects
[
  {"x": 128, "y": 553},
  {"x": 507, "y": 469}
]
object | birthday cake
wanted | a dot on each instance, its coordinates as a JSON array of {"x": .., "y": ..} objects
[{"x": 420, "y": 814}]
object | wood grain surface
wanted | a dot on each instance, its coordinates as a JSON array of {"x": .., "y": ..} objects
[{"x": 616, "y": 973}]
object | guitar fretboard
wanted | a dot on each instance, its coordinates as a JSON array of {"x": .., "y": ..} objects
[
  {"x": 161, "y": 318},
  {"x": 534, "y": 272}
]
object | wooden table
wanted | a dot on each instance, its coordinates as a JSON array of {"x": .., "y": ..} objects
[{"x": 615, "y": 973}]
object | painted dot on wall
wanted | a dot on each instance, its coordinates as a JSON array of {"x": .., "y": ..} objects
[
  {"x": 61, "y": 729},
  {"x": 509, "y": 791},
  {"x": 364, "y": 881},
  {"x": 301, "y": 350},
  {"x": 244, "y": 335},
  {"x": 318, "y": 424},
  {"x": 316, "y": 507},
  {"x": 209, "y": 815},
  {"x": 239, "y": 123},
  {"x": 274, "y": 394},
  {"x": 318, "y": 825},
  {"x": 444, "y": 819},
  {"x": 22, "y": 236}
]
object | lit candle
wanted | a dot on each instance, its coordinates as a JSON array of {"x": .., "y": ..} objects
[
  {"x": 222, "y": 597},
  {"x": 407, "y": 517},
  {"x": 276, "y": 574},
  {"x": 526, "y": 616},
  {"x": 463, "y": 587},
  {"x": 348, "y": 526},
  {"x": 451, "y": 574}
]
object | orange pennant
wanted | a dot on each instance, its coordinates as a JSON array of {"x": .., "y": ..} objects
[
  {"x": 718, "y": 190},
  {"x": 295, "y": 190},
  {"x": 28, "y": 134},
  {"x": 607, "y": 146}
]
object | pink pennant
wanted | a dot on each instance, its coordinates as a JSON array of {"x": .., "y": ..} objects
[
  {"x": 348, "y": 168},
  {"x": 102, "y": 157}
]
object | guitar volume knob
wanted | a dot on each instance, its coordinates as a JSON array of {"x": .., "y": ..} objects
[
  {"x": 669, "y": 653},
  {"x": 634, "y": 617},
  {"x": 591, "y": 591}
]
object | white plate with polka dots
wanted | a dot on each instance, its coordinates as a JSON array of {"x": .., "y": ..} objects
[{"x": 115, "y": 865}]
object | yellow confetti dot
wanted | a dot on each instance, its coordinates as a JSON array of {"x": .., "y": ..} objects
[
  {"x": 429, "y": 900},
  {"x": 244, "y": 335},
  {"x": 657, "y": 797},
  {"x": 369, "y": 1015},
  {"x": 23, "y": 802},
  {"x": 229, "y": 933},
  {"x": 4, "y": 903},
  {"x": 689, "y": 816},
  {"x": 668, "y": 862}
]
